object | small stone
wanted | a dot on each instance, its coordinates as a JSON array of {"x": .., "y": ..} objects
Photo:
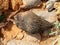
[
  {"x": 50, "y": 5},
  {"x": 32, "y": 3},
  {"x": 52, "y": 0}
]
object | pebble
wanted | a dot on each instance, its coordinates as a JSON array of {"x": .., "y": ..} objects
[{"x": 50, "y": 5}]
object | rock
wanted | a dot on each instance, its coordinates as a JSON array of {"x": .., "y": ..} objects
[
  {"x": 20, "y": 42},
  {"x": 50, "y": 5},
  {"x": 32, "y": 3},
  {"x": 53, "y": 0},
  {"x": 48, "y": 16},
  {"x": 30, "y": 22}
]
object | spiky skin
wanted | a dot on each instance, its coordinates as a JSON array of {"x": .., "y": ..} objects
[{"x": 31, "y": 23}]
